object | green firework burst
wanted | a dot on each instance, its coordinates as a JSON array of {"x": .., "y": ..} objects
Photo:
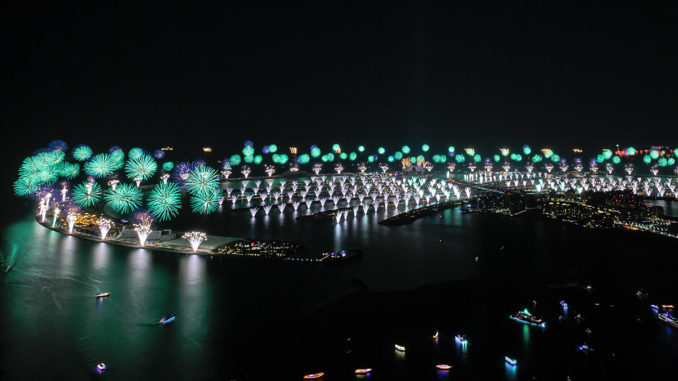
[
  {"x": 164, "y": 201},
  {"x": 206, "y": 203},
  {"x": 202, "y": 181},
  {"x": 124, "y": 199},
  {"x": 100, "y": 165},
  {"x": 24, "y": 186},
  {"x": 82, "y": 153},
  {"x": 85, "y": 198},
  {"x": 68, "y": 170},
  {"x": 143, "y": 167},
  {"x": 136, "y": 153}
]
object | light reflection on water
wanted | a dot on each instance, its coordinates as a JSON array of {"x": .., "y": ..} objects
[{"x": 214, "y": 299}]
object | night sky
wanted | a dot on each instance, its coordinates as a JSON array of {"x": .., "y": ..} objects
[{"x": 437, "y": 73}]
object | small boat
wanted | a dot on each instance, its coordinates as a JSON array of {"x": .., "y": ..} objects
[
  {"x": 400, "y": 348},
  {"x": 101, "y": 367},
  {"x": 314, "y": 376},
  {"x": 435, "y": 336},
  {"x": 585, "y": 347},
  {"x": 563, "y": 303},
  {"x": 668, "y": 319},
  {"x": 167, "y": 319},
  {"x": 363, "y": 371},
  {"x": 461, "y": 339},
  {"x": 667, "y": 306},
  {"x": 526, "y": 317},
  {"x": 103, "y": 295},
  {"x": 510, "y": 361},
  {"x": 444, "y": 366}
]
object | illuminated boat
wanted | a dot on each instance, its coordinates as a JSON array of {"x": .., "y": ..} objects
[
  {"x": 400, "y": 348},
  {"x": 167, "y": 319},
  {"x": 668, "y": 319},
  {"x": 444, "y": 366},
  {"x": 363, "y": 371},
  {"x": 526, "y": 317},
  {"x": 563, "y": 303},
  {"x": 314, "y": 376},
  {"x": 103, "y": 295},
  {"x": 585, "y": 347},
  {"x": 436, "y": 335},
  {"x": 461, "y": 339},
  {"x": 510, "y": 361},
  {"x": 101, "y": 367}
]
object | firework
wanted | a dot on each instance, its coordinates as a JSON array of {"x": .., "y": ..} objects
[
  {"x": 42, "y": 207},
  {"x": 168, "y": 166},
  {"x": 82, "y": 152},
  {"x": 136, "y": 153},
  {"x": 195, "y": 239},
  {"x": 143, "y": 227},
  {"x": 104, "y": 226},
  {"x": 67, "y": 170},
  {"x": 24, "y": 187},
  {"x": 118, "y": 156},
  {"x": 235, "y": 160},
  {"x": 58, "y": 145},
  {"x": 164, "y": 201},
  {"x": 304, "y": 158},
  {"x": 125, "y": 198},
  {"x": 64, "y": 191},
  {"x": 207, "y": 203},
  {"x": 87, "y": 194},
  {"x": 40, "y": 169},
  {"x": 101, "y": 165},
  {"x": 71, "y": 217},
  {"x": 158, "y": 154},
  {"x": 245, "y": 170},
  {"x": 56, "y": 215},
  {"x": 142, "y": 167},
  {"x": 202, "y": 180}
]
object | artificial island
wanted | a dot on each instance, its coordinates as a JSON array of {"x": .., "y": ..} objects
[{"x": 130, "y": 197}]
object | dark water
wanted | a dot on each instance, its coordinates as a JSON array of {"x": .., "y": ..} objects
[{"x": 241, "y": 318}]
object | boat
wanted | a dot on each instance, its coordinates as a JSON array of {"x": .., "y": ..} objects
[
  {"x": 363, "y": 371},
  {"x": 461, "y": 339},
  {"x": 314, "y": 376},
  {"x": 526, "y": 317},
  {"x": 510, "y": 361},
  {"x": 167, "y": 319},
  {"x": 103, "y": 295},
  {"x": 444, "y": 366},
  {"x": 436, "y": 335},
  {"x": 400, "y": 348},
  {"x": 668, "y": 319},
  {"x": 340, "y": 256},
  {"x": 563, "y": 303},
  {"x": 585, "y": 347},
  {"x": 101, "y": 367}
]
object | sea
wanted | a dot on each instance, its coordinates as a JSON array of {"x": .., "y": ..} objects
[{"x": 444, "y": 275}]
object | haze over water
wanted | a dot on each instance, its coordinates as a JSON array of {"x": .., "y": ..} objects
[{"x": 239, "y": 317}]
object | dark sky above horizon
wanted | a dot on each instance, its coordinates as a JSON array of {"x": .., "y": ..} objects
[{"x": 420, "y": 72}]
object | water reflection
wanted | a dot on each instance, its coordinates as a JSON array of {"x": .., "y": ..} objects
[{"x": 102, "y": 255}]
